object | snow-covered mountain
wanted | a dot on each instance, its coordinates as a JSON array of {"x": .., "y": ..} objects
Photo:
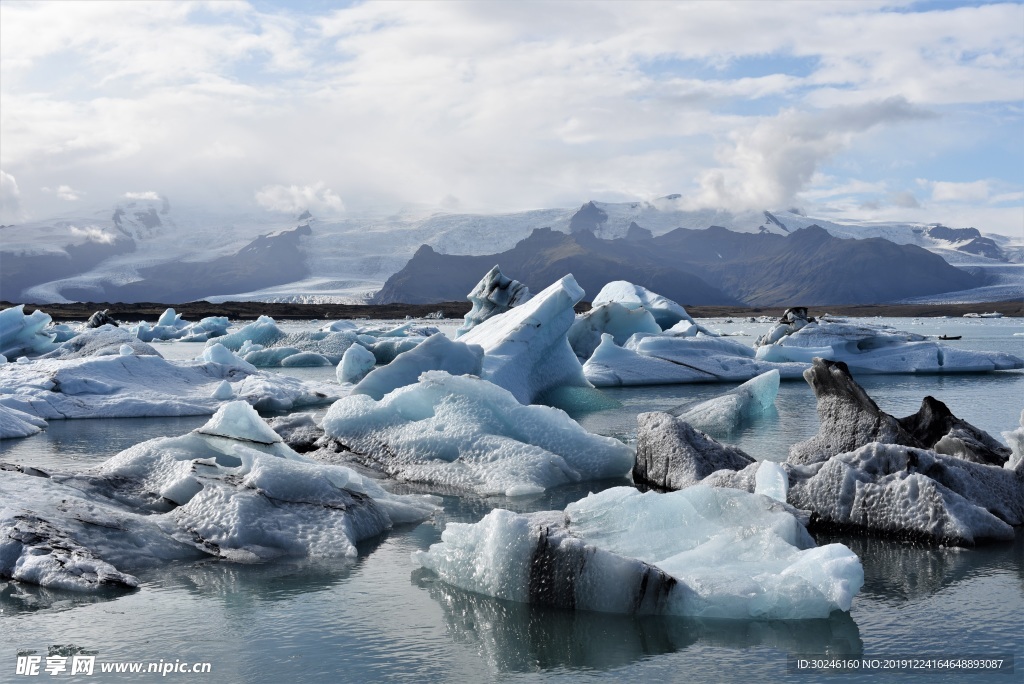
[{"x": 113, "y": 254}]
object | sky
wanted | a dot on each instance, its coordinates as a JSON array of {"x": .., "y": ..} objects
[{"x": 871, "y": 110}]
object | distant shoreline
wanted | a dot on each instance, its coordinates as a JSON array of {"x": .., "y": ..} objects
[{"x": 283, "y": 311}]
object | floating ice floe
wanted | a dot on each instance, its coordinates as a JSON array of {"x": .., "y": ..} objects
[
  {"x": 849, "y": 480},
  {"x": 24, "y": 335},
  {"x": 667, "y": 359},
  {"x": 872, "y": 349},
  {"x": 700, "y": 552},
  {"x": 494, "y": 294},
  {"x": 135, "y": 385},
  {"x": 1015, "y": 438},
  {"x": 526, "y": 350},
  {"x": 468, "y": 434},
  {"x": 730, "y": 411},
  {"x": 230, "y": 490},
  {"x": 170, "y": 326},
  {"x": 437, "y": 352}
]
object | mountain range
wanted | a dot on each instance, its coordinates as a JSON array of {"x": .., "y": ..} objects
[
  {"x": 151, "y": 250},
  {"x": 711, "y": 266}
]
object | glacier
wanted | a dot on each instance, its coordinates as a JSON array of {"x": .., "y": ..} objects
[{"x": 699, "y": 552}]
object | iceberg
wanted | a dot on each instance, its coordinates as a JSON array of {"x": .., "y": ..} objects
[
  {"x": 230, "y": 489},
  {"x": 665, "y": 359},
  {"x": 873, "y": 349},
  {"x": 467, "y": 434},
  {"x": 525, "y": 348},
  {"x": 106, "y": 340},
  {"x": 699, "y": 552},
  {"x": 355, "y": 363},
  {"x": 15, "y": 423},
  {"x": 170, "y": 326},
  {"x": 144, "y": 385},
  {"x": 437, "y": 352},
  {"x": 903, "y": 490},
  {"x": 611, "y": 318},
  {"x": 730, "y": 411},
  {"x": 494, "y": 294},
  {"x": 1015, "y": 438},
  {"x": 666, "y": 312},
  {"x": 849, "y": 419},
  {"x": 23, "y": 335},
  {"x": 671, "y": 454}
]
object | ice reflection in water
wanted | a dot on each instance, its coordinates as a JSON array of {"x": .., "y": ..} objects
[{"x": 519, "y": 637}]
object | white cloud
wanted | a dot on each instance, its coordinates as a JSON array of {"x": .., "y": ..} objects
[
  {"x": 151, "y": 195},
  {"x": 503, "y": 105},
  {"x": 92, "y": 234},
  {"x": 769, "y": 164},
  {"x": 10, "y": 197},
  {"x": 68, "y": 194},
  {"x": 293, "y": 199},
  {"x": 976, "y": 191}
]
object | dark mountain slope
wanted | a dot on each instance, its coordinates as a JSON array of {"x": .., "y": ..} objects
[
  {"x": 710, "y": 266},
  {"x": 539, "y": 260}
]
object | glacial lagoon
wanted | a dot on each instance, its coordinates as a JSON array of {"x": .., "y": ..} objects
[{"x": 378, "y": 617}]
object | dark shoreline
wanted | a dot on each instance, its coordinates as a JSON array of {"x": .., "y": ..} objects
[{"x": 193, "y": 311}]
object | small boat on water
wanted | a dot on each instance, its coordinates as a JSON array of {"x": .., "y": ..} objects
[{"x": 950, "y": 337}]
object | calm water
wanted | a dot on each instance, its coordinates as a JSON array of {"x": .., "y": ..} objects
[{"x": 377, "y": 618}]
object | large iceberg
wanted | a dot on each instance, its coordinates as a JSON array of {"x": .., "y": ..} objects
[
  {"x": 525, "y": 348},
  {"x": 848, "y": 419},
  {"x": 872, "y": 349},
  {"x": 24, "y": 335},
  {"x": 230, "y": 490},
  {"x": 700, "y": 551},
  {"x": 666, "y": 312},
  {"x": 132, "y": 385},
  {"x": 467, "y": 434},
  {"x": 494, "y": 294},
  {"x": 667, "y": 359}
]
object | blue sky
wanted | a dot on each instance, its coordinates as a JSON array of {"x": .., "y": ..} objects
[{"x": 866, "y": 109}]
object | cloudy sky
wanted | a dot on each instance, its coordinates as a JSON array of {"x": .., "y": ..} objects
[{"x": 867, "y": 109}]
